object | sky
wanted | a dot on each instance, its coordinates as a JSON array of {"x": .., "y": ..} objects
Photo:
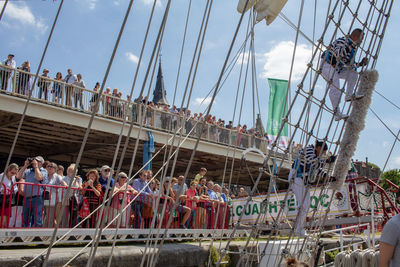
[{"x": 86, "y": 32}]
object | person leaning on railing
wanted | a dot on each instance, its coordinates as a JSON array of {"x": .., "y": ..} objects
[
  {"x": 23, "y": 79},
  {"x": 119, "y": 200},
  {"x": 182, "y": 210},
  {"x": 94, "y": 98},
  {"x": 167, "y": 195},
  {"x": 52, "y": 196},
  {"x": 92, "y": 194},
  {"x": 78, "y": 94},
  {"x": 70, "y": 79},
  {"x": 44, "y": 84},
  {"x": 203, "y": 204},
  {"x": 192, "y": 197},
  {"x": 18, "y": 203},
  {"x": 107, "y": 101},
  {"x": 107, "y": 182},
  {"x": 144, "y": 198},
  {"x": 33, "y": 200},
  {"x": 6, "y": 193},
  {"x": 71, "y": 214},
  {"x": 57, "y": 90},
  {"x": 6, "y": 73}
]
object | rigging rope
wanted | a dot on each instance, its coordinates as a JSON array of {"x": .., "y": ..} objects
[
  {"x": 182, "y": 48},
  {"x": 3, "y": 9}
]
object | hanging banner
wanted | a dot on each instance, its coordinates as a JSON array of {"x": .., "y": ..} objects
[
  {"x": 278, "y": 89},
  {"x": 317, "y": 200}
]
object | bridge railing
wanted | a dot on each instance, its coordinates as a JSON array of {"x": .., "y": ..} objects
[
  {"x": 31, "y": 205},
  {"x": 59, "y": 93}
]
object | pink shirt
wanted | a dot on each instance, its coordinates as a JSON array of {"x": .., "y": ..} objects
[
  {"x": 118, "y": 198},
  {"x": 190, "y": 194}
]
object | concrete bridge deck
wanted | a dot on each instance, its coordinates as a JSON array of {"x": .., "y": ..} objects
[{"x": 56, "y": 132}]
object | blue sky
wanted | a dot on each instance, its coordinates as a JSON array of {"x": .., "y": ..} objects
[{"x": 86, "y": 31}]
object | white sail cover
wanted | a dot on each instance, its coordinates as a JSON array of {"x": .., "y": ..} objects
[{"x": 266, "y": 9}]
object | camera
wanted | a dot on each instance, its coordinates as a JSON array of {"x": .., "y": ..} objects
[{"x": 30, "y": 160}]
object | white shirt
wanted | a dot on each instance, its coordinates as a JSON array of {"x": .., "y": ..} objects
[
  {"x": 70, "y": 78},
  {"x": 174, "y": 111},
  {"x": 11, "y": 63},
  {"x": 81, "y": 84},
  {"x": 7, "y": 182}
]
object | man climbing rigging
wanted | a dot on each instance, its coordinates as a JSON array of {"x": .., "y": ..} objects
[
  {"x": 305, "y": 170},
  {"x": 338, "y": 63}
]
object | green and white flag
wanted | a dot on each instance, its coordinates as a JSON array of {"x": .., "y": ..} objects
[{"x": 278, "y": 89}]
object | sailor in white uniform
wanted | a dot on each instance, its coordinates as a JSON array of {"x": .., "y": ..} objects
[
  {"x": 308, "y": 166},
  {"x": 339, "y": 63}
]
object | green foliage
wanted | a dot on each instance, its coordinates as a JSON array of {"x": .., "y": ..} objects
[
  {"x": 331, "y": 255},
  {"x": 392, "y": 175},
  {"x": 215, "y": 257}
]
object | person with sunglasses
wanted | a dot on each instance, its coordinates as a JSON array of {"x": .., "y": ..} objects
[
  {"x": 119, "y": 200},
  {"x": 107, "y": 183}
]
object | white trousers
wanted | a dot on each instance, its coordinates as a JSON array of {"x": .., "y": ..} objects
[
  {"x": 303, "y": 202},
  {"x": 350, "y": 77},
  {"x": 16, "y": 217}
]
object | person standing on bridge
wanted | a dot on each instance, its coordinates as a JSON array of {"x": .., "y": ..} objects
[
  {"x": 78, "y": 92},
  {"x": 44, "y": 84},
  {"x": 6, "y": 73},
  {"x": 70, "y": 79},
  {"x": 338, "y": 63},
  {"x": 305, "y": 168}
]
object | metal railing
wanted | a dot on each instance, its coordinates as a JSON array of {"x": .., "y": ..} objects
[{"x": 37, "y": 206}]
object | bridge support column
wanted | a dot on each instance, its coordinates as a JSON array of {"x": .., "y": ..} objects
[{"x": 148, "y": 150}]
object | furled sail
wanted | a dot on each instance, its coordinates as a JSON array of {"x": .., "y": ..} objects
[{"x": 266, "y": 9}]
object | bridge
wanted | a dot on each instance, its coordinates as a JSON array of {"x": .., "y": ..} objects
[{"x": 54, "y": 127}]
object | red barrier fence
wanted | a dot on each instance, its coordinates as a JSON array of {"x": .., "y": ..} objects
[{"x": 37, "y": 206}]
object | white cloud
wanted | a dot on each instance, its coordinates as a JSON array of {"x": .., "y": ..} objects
[
  {"x": 23, "y": 14},
  {"x": 279, "y": 58},
  {"x": 396, "y": 161},
  {"x": 132, "y": 57},
  {"x": 151, "y": 2},
  {"x": 385, "y": 144},
  {"x": 200, "y": 101},
  {"x": 92, "y": 4}
]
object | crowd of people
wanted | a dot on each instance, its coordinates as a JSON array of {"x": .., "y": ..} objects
[
  {"x": 32, "y": 195},
  {"x": 70, "y": 90}
]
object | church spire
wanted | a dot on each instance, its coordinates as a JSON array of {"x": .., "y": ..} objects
[{"x": 159, "y": 93}]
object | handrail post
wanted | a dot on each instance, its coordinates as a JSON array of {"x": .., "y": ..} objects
[
  {"x": 341, "y": 240},
  {"x": 14, "y": 81}
]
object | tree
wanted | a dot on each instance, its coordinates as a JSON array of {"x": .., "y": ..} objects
[{"x": 392, "y": 175}]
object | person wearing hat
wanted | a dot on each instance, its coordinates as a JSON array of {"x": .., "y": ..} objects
[
  {"x": 33, "y": 200},
  {"x": 5, "y": 73},
  {"x": 107, "y": 183},
  {"x": 306, "y": 168},
  {"x": 44, "y": 84}
]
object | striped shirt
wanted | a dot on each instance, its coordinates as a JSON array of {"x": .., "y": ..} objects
[
  {"x": 308, "y": 164},
  {"x": 342, "y": 50}
]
